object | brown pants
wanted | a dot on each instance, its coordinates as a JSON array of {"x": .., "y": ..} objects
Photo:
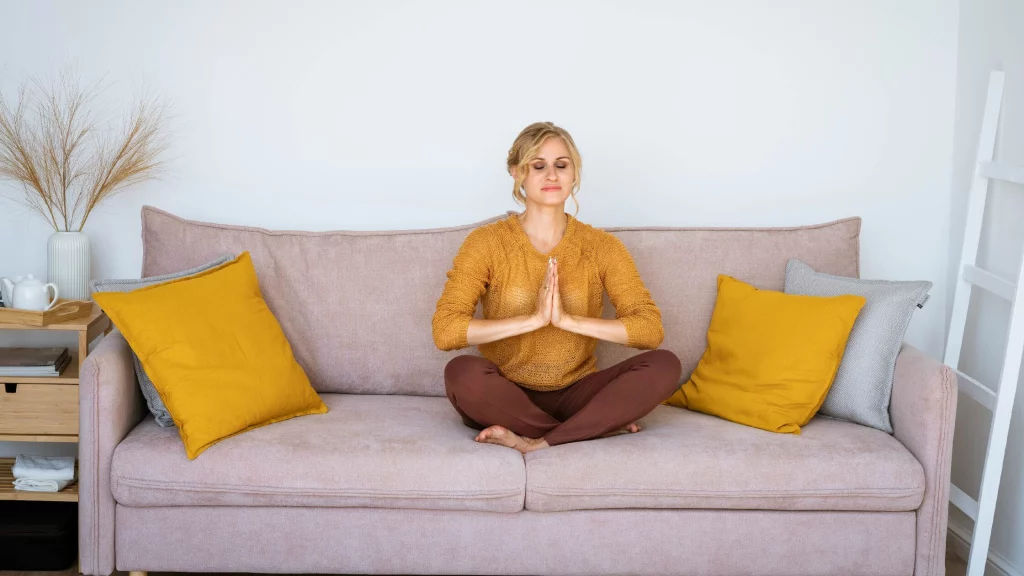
[{"x": 593, "y": 406}]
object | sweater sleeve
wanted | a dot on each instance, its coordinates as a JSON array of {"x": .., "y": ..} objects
[
  {"x": 467, "y": 282},
  {"x": 627, "y": 292}
]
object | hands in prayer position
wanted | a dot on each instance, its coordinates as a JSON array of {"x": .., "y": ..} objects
[{"x": 549, "y": 300}]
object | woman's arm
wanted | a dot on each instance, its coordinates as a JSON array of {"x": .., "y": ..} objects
[
  {"x": 454, "y": 326},
  {"x": 482, "y": 331},
  {"x": 634, "y": 306},
  {"x": 600, "y": 328},
  {"x": 467, "y": 283}
]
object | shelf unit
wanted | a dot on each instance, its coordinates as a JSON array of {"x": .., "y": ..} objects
[
  {"x": 7, "y": 491},
  {"x": 48, "y": 414}
]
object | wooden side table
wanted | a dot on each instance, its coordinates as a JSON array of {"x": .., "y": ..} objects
[{"x": 45, "y": 409}]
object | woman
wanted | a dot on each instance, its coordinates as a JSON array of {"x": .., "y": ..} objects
[{"x": 541, "y": 275}]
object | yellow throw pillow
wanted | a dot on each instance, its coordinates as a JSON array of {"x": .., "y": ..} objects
[
  {"x": 215, "y": 353},
  {"x": 771, "y": 357}
]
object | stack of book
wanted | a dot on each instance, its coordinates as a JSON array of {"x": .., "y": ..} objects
[{"x": 33, "y": 361}]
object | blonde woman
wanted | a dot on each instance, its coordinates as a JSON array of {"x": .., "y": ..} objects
[{"x": 542, "y": 274}]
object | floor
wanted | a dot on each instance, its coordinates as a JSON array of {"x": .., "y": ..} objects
[{"x": 954, "y": 567}]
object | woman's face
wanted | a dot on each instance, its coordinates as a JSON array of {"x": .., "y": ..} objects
[{"x": 550, "y": 177}]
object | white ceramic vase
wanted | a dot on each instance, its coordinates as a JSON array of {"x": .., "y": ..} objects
[{"x": 69, "y": 264}]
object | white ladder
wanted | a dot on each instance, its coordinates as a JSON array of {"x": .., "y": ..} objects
[{"x": 1000, "y": 403}]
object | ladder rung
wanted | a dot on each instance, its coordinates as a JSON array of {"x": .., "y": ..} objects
[
  {"x": 990, "y": 282},
  {"x": 998, "y": 171},
  {"x": 983, "y": 394},
  {"x": 964, "y": 502}
]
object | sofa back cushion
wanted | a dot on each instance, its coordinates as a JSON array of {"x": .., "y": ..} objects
[
  {"x": 680, "y": 266},
  {"x": 357, "y": 306}
]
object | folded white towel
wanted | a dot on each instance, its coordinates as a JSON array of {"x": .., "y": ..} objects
[
  {"x": 44, "y": 467},
  {"x": 40, "y": 485}
]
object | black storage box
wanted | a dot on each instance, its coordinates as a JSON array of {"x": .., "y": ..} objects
[{"x": 38, "y": 535}]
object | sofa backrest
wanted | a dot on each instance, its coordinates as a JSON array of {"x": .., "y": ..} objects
[{"x": 357, "y": 306}]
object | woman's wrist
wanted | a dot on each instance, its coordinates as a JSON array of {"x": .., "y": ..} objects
[
  {"x": 568, "y": 322},
  {"x": 535, "y": 322}
]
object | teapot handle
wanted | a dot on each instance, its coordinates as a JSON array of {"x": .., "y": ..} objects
[{"x": 54, "y": 301}]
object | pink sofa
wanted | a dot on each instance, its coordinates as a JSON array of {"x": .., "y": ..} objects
[{"x": 391, "y": 482}]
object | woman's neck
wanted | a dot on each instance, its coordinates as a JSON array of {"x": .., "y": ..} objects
[{"x": 544, "y": 225}]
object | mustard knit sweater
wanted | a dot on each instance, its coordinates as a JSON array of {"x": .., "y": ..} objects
[{"x": 498, "y": 263}]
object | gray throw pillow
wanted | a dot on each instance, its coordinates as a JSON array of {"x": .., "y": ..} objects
[
  {"x": 863, "y": 385},
  {"x": 153, "y": 401}
]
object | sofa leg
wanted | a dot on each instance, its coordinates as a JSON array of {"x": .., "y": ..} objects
[{"x": 136, "y": 573}]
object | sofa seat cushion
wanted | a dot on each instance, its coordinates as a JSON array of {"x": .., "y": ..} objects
[
  {"x": 683, "y": 459},
  {"x": 367, "y": 451}
]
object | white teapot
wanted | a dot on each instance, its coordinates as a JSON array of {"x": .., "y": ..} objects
[{"x": 28, "y": 294}]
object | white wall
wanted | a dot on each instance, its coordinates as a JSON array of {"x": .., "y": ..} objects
[
  {"x": 326, "y": 115},
  {"x": 991, "y": 37}
]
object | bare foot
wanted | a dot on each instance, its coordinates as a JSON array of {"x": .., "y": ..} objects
[
  {"x": 627, "y": 429},
  {"x": 499, "y": 435},
  {"x": 504, "y": 437},
  {"x": 534, "y": 444}
]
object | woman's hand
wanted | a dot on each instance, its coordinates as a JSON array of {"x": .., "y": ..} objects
[
  {"x": 542, "y": 317},
  {"x": 559, "y": 318}
]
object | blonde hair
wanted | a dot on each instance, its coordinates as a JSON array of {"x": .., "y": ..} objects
[{"x": 525, "y": 150}]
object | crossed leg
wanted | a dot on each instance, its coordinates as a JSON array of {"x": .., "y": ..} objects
[{"x": 604, "y": 403}]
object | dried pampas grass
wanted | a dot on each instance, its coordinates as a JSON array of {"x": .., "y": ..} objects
[{"x": 61, "y": 163}]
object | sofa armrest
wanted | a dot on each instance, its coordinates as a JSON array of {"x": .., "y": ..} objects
[
  {"x": 110, "y": 405},
  {"x": 923, "y": 413}
]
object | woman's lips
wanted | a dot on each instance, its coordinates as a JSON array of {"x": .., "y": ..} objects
[{"x": 551, "y": 188}]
